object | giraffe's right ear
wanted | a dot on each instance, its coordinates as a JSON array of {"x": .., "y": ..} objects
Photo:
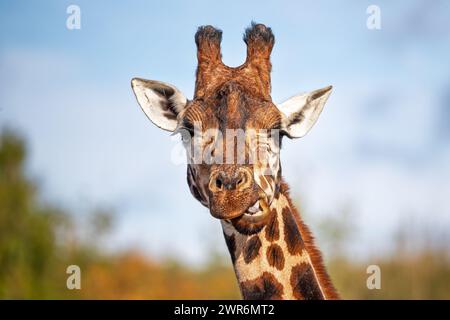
[{"x": 160, "y": 101}]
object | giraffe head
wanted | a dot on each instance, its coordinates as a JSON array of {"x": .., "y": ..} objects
[{"x": 231, "y": 129}]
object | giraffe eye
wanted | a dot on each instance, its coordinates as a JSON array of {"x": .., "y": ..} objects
[
  {"x": 186, "y": 135},
  {"x": 185, "y": 138}
]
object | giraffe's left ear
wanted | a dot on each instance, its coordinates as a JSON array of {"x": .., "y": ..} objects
[
  {"x": 160, "y": 101},
  {"x": 302, "y": 111}
]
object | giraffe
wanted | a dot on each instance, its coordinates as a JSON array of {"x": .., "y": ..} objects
[{"x": 272, "y": 250}]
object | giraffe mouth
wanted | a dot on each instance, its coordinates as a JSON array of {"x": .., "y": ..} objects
[
  {"x": 260, "y": 209},
  {"x": 257, "y": 210},
  {"x": 254, "y": 218}
]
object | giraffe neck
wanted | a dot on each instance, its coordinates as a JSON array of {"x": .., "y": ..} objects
[{"x": 280, "y": 261}]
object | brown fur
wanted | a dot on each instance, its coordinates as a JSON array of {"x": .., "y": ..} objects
[
  {"x": 251, "y": 249},
  {"x": 265, "y": 287},
  {"x": 275, "y": 256},
  {"x": 272, "y": 229},
  {"x": 253, "y": 74},
  {"x": 292, "y": 234},
  {"x": 303, "y": 283}
]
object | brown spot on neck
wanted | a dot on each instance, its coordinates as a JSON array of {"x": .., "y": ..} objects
[
  {"x": 275, "y": 256},
  {"x": 292, "y": 236},
  {"x": 272, "y": 228},
  {"x": 265, "y": 287},
  {"x": 304, "y": 283},
  {"x": 251, "y": 250}
]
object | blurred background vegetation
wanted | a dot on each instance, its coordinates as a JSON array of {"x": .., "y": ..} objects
[{"x": 38, "y": 240}]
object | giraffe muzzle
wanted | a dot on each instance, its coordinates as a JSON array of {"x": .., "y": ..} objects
[
  {"x": 232, "y": 191},
  {"x": 247, "y": 210}
]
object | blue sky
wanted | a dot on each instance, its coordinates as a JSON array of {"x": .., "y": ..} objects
[{"x": 381, "y": 144}]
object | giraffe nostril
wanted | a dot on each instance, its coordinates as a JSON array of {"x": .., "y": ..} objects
[
  {"x": 242, "y": 180},
  {"x": 219, "y": 183}
]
